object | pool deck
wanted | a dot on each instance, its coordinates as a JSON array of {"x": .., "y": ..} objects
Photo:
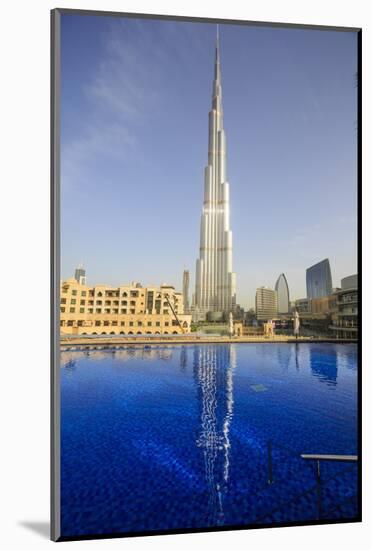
[{"x": 66, "y": 341}]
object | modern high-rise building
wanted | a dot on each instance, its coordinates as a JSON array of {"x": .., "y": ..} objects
[
  {"x": 319, "y": 280},
  {"x": 265, "y": 303},
  {"x": 80, "y": 275},
  {"x": 186, "y": 290},
  {"x": 215, "y": 281},
  {"x": 283, "y": 296}
]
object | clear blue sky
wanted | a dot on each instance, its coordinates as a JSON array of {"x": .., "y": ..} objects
[{"x": 135, "y": 96}]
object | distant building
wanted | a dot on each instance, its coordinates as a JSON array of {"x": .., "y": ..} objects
[
  {"x": 349, "y": 282},
  {"x": 319, "y": 280},
  {"x": 325, "y": 305},
  {"x": 239, "y": 313},
  {"x": 128, "y": 309},
  {"x": 80, "y": 275},
  {"x": 186, "y": 290},
  {"x": 265, "y": 303},
  {"x": 302, "y": 305},
  {"x": 316, "y": 306},
  {"x": 315, "y": 313},
  {"x": 215, "y": 317},
  {"x": 345, "y": 320},
  {"x": 283, "y": 297}
]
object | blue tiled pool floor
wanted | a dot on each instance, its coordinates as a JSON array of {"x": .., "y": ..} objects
[{"x": 177, "y": 437}]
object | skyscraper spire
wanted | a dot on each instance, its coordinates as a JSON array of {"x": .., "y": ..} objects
[
  {"x": 215, "y": 281},
  {"x": 217, "y": 75}
]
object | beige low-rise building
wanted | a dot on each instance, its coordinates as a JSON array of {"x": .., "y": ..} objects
[
  {"x": 345, "y": 319},
  {"x": 128, "y": 309}
]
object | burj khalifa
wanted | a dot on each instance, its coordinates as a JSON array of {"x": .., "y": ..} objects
[{"x": 215, "y": 280}]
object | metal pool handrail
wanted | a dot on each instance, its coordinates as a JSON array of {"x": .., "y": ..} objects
[
  {"x": 317, "y": 458},
  {"x": 335, "y": 458},
  {"x": 303, "y": 493}
]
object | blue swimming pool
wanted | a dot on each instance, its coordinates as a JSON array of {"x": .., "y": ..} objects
[{"x": 184, "y": 437}]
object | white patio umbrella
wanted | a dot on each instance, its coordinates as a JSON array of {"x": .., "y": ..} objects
[
  {"x": 230, "y": 328},
  {"x": 296, "y": 323}
]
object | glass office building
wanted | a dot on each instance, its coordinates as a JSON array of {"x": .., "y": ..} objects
[{"x": 319, "y": 280}]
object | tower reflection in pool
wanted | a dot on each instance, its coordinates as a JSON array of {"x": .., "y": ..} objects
[
  {"x": 175, "y": 437},
  {"x": 213, "y": 373}
]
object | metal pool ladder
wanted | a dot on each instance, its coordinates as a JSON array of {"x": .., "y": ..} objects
[
  {"x": 318, "y": 458},
  {"x": 307, "y": 458}
]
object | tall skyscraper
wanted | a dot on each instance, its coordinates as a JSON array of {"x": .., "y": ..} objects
[
  {"x": 80, "y": 275},
  {"x": 319, "y": 280},
  {"x": 215, "y": 281},
  {"x": 283, "y": 296},
  {"x": 186, "y": 290}
]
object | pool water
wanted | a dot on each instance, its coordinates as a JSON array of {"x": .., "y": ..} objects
[{"x": 197, "y": 436}]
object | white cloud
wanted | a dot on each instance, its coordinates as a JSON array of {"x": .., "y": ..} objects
[
  {"x": 124, "y": 92},
  {"x": 119, "y": 97}
]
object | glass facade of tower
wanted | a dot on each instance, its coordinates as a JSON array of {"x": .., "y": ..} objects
[
  {"x": 283, "y": 297},
  {"x": 319, "y": 280}
]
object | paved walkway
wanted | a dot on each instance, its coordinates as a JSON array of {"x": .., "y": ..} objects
[{"x": 189, "y": 339}]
